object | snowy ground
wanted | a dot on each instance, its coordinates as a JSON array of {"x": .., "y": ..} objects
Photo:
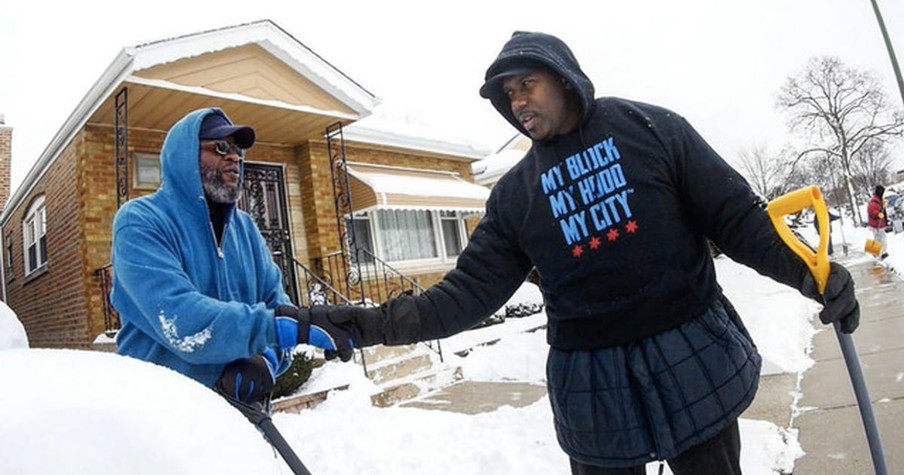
[{"x": 78, "y": 412}]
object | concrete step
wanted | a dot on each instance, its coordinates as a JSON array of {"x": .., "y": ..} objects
[
  {"x": 400, "y": 368},
  {"x": 378, "y": 353},
  {"x": 400, "y": 390}
]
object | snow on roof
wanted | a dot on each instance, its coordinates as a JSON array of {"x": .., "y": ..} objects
[
  {"x": 487, "y": 171},
  {"x": 385, "y": 127},
  {"x": 497, "y": 164}
]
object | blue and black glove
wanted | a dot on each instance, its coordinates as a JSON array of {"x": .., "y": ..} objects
[
  {"x": 839, "y": 302},
  {"x": 249, "y": 381},
  {"x": 312, "y": 327}
]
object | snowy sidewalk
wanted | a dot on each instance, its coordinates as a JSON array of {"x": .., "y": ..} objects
[{"x": 830, "y": 429}]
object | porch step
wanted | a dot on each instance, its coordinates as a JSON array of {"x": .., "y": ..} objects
[
  {"x": 400, "y": 368},
  {"x": 401, "y": 390},
  {"x": 406, "y": 372},
  {"x": 374, "y": 354}
]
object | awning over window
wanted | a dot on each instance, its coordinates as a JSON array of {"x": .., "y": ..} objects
[{"x": 385, "y": 187}]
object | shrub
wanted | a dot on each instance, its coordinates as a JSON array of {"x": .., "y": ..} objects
[{"x": 297, "y": 374}]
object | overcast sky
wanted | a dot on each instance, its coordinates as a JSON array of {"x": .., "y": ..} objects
[{"x": 718, "y": 63}]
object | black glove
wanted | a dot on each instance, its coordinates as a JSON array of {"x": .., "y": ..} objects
[
  {"x": 249, "y": 381},
  {"x": 396, "y": 322},
  {"x": 366, "y": 323},
  {"x": 314, "y": 328},
  {"x": 839, "y": 301}
]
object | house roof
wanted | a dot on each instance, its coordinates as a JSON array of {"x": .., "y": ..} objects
[
  {"x": 257, "y": 72},
  {"x": 393, "y": 133},
  {"x": 488, "y": 170}
]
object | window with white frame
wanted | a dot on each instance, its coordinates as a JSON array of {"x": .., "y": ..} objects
[
  {"x": 147, "y": 170},
  {"x": 9, "y": 256},
  {"x": 408, "y": 236},
  {"x": 359, "y": 229},
  {"x": 34, "y": 233},
  {"x": 453, "y": 236}
]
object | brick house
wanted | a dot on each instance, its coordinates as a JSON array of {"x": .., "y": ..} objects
[
  {"x": 488, "y": 170},
  {"x": 351, "y": 211}
]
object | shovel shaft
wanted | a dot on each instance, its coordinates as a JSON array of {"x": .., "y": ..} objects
[
  {"x": 863, "y": 400},
  {"x": 285, "y": 450},
  {"x": 260, "y": 417}
]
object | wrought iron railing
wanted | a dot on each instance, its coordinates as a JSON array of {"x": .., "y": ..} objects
[
  {"x": 369, "y": 280},
  {"x": 104, "y": 277},
  {"x": 316, "y": 290}
]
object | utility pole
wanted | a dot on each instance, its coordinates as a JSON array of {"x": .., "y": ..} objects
[{"x": 891, "y": 50}]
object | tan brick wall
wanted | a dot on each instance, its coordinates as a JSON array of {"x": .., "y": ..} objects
[
  {"x": 382, "y": 155},
  {"x": 51, "y": 303},
  {"x": 97, "y": 187}
]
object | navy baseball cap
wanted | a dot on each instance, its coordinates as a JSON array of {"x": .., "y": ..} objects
[
  {"x": 503, "y": 70},
  {"x": 216, "y": 126}
]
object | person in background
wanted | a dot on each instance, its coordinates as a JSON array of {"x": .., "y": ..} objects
[
  {"x": 193, "y": 280},
  {"x": 832, "y": 217},
  {"x": 613, "y": 204},
  {"x": 876, "y": 219}
]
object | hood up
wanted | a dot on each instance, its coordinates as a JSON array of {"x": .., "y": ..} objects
[
  {"x": 179, "y": 164},
  {"x": 525, "y": 50}
]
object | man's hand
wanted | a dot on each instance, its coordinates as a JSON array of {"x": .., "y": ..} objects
[
  {"x": 839, "y": 301},
  {"x": 311, "y": 326},
  {"x": 366, "y": 323},
  {"x": 248, "y": 381}
]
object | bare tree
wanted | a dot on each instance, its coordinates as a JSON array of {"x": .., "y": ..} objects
[
  {"x": 818, "y": 171},
  {"x": 839, "y": 110},
  {"x": 871, "y": 166},
  {"x": 770, "y": 175}
]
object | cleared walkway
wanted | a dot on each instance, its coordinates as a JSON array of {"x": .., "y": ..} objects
[
  {"x": 830, "y": 430},
  {"x": 826, "y": 415}
]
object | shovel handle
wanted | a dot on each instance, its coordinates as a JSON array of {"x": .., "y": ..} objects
[
  {"x": 818, "y": 262},
  {"x": 803, "y": 198}
]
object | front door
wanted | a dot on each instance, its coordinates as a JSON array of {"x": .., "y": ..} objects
[{"x": 264, "y": 198}]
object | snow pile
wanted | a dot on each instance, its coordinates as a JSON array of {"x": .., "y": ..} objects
[
  {"x": 85, "y": 412},
  {"x": 12, "y": 333}
]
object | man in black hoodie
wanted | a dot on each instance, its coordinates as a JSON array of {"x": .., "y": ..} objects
[{"x": 613, "y": 205}]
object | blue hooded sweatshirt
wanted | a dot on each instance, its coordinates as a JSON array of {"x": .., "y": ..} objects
[{"x": 186, "y": 303}]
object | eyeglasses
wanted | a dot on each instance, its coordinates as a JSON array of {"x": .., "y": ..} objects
[{"x": 223, "y": 148}]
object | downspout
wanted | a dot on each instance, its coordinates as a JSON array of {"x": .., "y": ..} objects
[{"x": 2, "y": 266}]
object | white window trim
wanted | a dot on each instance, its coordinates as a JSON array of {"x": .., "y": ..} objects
[
  {"x": 420, "y": 265},
  {"x": 462, "y": 238},
  {"x": 36, "y": 215}
]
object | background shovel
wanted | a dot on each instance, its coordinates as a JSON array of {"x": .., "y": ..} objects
[{"x": 818, "y": 262}]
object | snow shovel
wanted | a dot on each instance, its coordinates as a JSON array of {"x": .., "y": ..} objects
[
  {"x": 260, "y": 418},
  {"x": 818, "y": 262}
]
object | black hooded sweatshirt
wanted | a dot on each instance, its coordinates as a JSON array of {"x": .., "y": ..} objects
[{"x": 615, "y": 216}]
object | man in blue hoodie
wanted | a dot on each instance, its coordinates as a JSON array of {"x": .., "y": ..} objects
[
  {"x": 614, "y": 205},
  {"x": 193, "y": 280}
]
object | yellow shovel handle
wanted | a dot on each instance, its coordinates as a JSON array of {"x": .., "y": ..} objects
[{"x": 790, "y": 203}]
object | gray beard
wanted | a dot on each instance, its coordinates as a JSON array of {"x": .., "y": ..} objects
[{"x": 217, "y": 191}]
